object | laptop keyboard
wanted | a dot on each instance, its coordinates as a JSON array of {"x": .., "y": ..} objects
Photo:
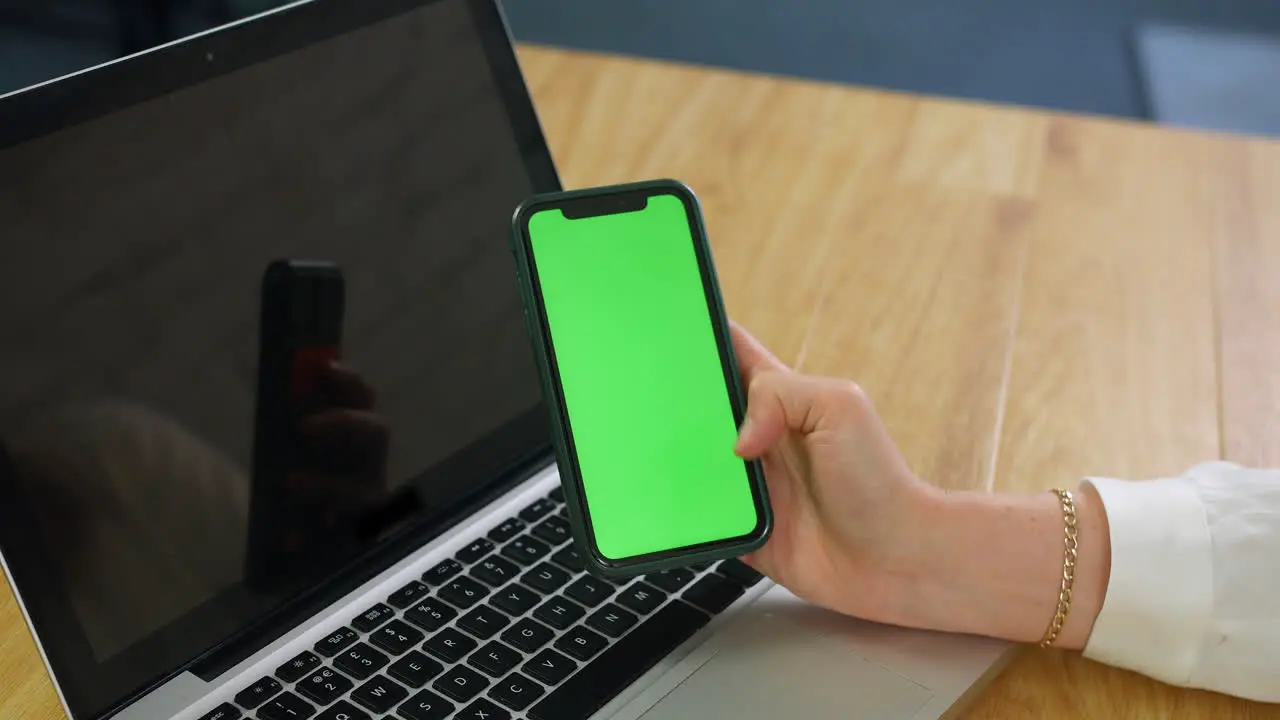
[{"x": 510, "y": 627}]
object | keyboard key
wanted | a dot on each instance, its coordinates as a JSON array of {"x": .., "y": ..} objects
[
  {"x": 426, "y": 705},
  {"x": 415, "y": 669},
  {"x": 225, "y": 711},
  {"x": 589, "y": 591},
  {"x": 569, "y": 559},
  {"x": 442, "y": 573},
  {"x": 527, "y": 635},
  {"x": 495, "y": 659},
  {"x": 547, "y": 578},
  {"x": 449, "y": 645},
  {"x": 559, "y": 613},
  {"x": 379, "y": 695},
  {"x": 538, "y": 509},
  {"x": 338, "y": 641},
  {"x": 258, "y": 693},
  {"x": 496, "y": 570},
  {"x": 286, "y": 706},
  {"x": 430, "y": 615},
  {"x": 515, "y": 599},
  {"x": 482, "y": 709},
  {"x": 642, "y": 598},
  {"x": 553, "y": 530},
  {"x": 618, "y": 666},
  {"x": 507, "y": 530},
  {"x": 300, "y": 665},
  {"x": 461, "y": 683},
  {"x": 324, "y": 686},
  {"x": 463, "y": 592},
  {"x": 550, "y": 667},
  {"x": 475, "y": 551},
  {"x": 360, "y": 661},
  {"x": 343, "y": 710},
  {"x": 612, "y": 620},
  {"x": 671, "y": 580},
  {"x": 484, "y": 622},
  {"x": 556, "y": 495},
  {"x": 370, "y": 619},
  {"x": 526, "y": 550},
  {"x": 517, "y": 691},
  {"x": 713, "y": 593},
  {"x": 408, "y": 595},
  {"x": 581, "y": 642},
  {"x": 396, "y": 637},
  {"x": 739, "y": 572}
]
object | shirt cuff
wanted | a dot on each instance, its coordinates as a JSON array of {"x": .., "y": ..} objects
[{"x": 1159, "y": 599}]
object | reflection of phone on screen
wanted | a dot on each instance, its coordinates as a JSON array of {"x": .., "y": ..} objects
[
  {"x": 638, "y": 369},
  {"x": 300, "y": 334}
]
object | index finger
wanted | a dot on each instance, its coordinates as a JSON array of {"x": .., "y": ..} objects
[{"x": 753, "y": 357}]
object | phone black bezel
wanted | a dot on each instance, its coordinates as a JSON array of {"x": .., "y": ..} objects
[{"x": 609, "y": 200}]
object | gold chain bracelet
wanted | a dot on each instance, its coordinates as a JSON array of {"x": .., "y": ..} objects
[{"x": 1068, "y": 567}]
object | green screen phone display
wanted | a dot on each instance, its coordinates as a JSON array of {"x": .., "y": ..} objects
[{"x": 644, "y": 389}]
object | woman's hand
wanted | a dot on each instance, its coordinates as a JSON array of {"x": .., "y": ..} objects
[
  {"x": 846, "y": 505},
  {"x": 857, "y": 532}
]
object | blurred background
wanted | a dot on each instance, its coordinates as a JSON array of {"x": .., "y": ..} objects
[{"x": 1209, "y": 64}]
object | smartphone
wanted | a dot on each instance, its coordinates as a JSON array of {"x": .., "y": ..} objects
[{"x": 636, "y": 358}]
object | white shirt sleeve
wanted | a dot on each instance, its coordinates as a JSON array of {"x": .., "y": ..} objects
[{"x": 1194, "y": 594}]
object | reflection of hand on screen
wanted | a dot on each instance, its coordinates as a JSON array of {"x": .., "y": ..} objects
[
  {"x": 342, "y": 443},
  {"x": 143, "y": 518}
]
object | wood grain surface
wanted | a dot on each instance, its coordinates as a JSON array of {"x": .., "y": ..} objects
[{"x": 1029, "y": 298}]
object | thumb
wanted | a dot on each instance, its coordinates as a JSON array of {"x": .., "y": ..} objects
[{"x": 778, "y": 401}]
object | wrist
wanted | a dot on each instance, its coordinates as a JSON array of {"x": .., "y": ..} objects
[{"x": 991, "y": 564}]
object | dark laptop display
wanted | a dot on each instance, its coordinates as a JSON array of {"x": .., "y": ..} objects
[{"x": 204, "y": 231}]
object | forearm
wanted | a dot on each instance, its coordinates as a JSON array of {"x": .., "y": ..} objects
[
  {"x": 992, "y": 564},
  {"x": 1185, "y": 565}
]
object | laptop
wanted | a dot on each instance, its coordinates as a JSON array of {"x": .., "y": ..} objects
[{"x": 272, "y": 443}]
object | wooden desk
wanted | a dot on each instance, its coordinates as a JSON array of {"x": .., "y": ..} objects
[{"x": 1028, "y": 297}]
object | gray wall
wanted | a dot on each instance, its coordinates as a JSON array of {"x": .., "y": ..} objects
[{"x": 1065, "y": 54}]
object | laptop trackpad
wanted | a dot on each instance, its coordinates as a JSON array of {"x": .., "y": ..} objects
[{"x": 774, "y": 668}]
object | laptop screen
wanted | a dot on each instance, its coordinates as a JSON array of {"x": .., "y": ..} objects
[{"x": 260, "y": 322}]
